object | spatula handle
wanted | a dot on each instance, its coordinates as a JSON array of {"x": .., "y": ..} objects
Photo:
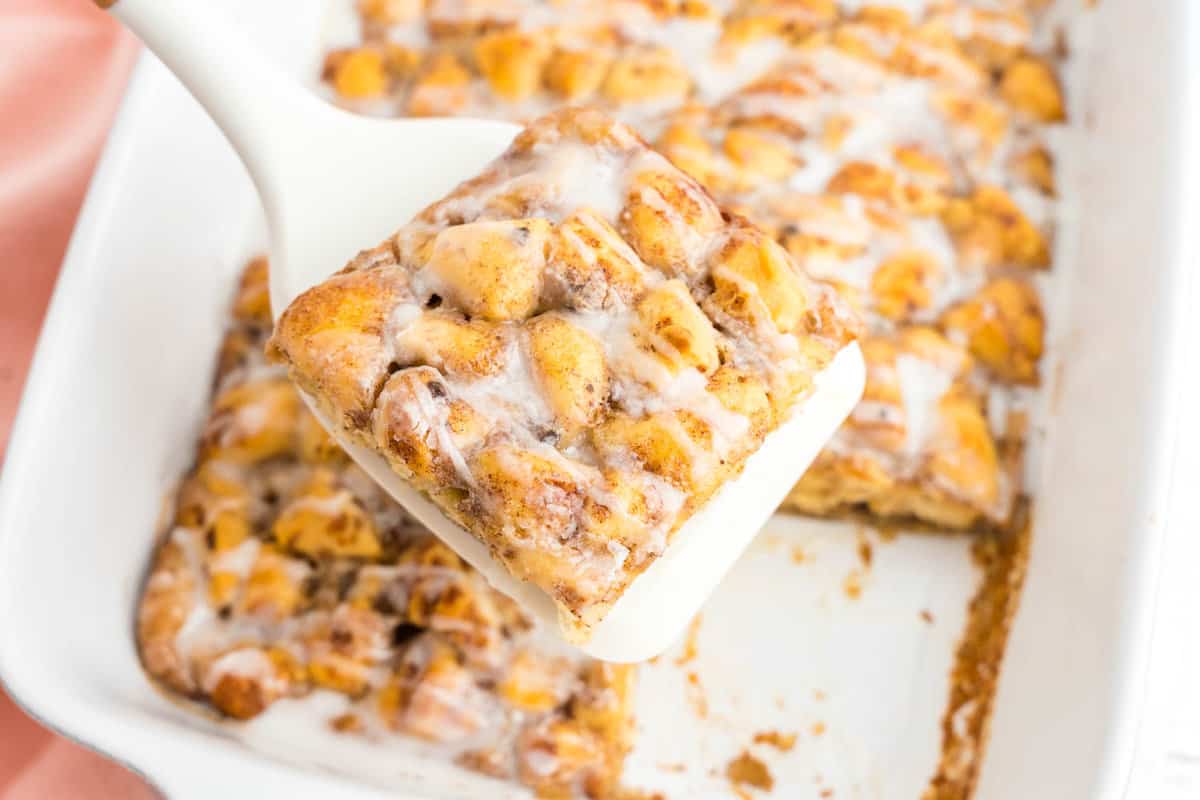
[{"x": 259, "y": 107}]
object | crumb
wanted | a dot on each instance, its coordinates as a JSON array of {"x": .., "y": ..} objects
[
  {"x": 818, "y": 728},
  {"x": 927, "y": 615},
  {"x": 1062, "y": 43},
  {"x": 346, "y": 723},
  {"x": 487, "y": 762},
  {"x": 783, "y": 742},
  {"x": 780, "y": 702},
  {"x": 746, "y": 770},
  {"x": 695, "y": 692},
  {"x": 819, "y": 694},
  {"x": 826, "y": 793},
  {"x": 1003, "y": 557},
  {"x": 852, "y": 586},
  {"x": 799, "y": 556},
  {"x": 865, "y": 553},
  {"x": 673, "y": 767},
  {"x": 887, "y": 533},
  {"x": 689, "y": 642}
]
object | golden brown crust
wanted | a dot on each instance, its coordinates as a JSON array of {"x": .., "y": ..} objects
[
  {"x": 334, "y": 336},
  {"x": 552, "y": 345}
]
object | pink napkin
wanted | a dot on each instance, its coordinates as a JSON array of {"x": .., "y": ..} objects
[{"x": 63, "y": 67}]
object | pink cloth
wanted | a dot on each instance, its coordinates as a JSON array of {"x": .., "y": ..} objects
[{"x": 63, "y": 66}]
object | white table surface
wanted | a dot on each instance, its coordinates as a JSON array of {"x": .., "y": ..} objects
[{"x": 1167, "y": 764}]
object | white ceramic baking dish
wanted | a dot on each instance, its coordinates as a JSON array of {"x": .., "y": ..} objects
[{"x": 120, "y": 384}]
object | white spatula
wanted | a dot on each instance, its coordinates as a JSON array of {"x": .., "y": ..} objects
[{"x": 333, "y": 183}]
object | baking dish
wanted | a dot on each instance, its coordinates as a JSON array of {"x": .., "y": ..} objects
[{"x": 120, "y": 384}]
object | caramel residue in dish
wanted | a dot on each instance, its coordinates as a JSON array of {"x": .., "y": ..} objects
[
  {"x": 695, "y": 695},
  {"x": 689, "y": 643},
  {"x": 1003, "y": 556},
  {"x": 746, "y": 770},
  {"x": 826, "y": 792},
  {"x": 818, "y": 729},
  {"x": 783, "y": 742},
  {"x": 677, "y": 767},
  {"x": 927, "y": 615},
  {"x": 799, "y": 555}
]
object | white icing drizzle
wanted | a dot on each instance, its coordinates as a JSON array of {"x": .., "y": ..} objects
[
  {"x": 430, "y": 418},
  {"x": 196, "y": 626},
  {"x": 914, "y": 8},
  {"x": 922, "y": 385},
  {"x": 513, "y": 394},
  {"x": 250, "y": 663}
]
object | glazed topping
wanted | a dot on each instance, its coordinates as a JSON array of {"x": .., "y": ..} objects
[{"x": 572, "y": 351}]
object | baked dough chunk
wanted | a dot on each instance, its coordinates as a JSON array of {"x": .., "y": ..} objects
[
  {"x": 918, "y": 445},
  {"x": 570, "y": 353}
]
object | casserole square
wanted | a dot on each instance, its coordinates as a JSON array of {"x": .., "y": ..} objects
[{"x": 569, "y": 354}]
